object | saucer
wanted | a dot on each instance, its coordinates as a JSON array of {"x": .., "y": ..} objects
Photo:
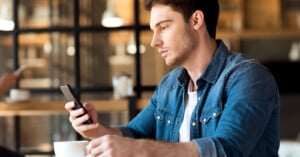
[{"x": 9, "y": 100}]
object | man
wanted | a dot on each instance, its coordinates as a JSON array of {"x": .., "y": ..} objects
[{"x": 216, "y": 103}]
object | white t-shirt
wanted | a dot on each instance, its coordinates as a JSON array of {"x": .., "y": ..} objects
[{"x": 191, "y": 102}]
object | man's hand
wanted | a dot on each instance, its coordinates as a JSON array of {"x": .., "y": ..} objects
[
  {"x": 118, "y": 146},
  {"x": 77, "y": 121},
  {"x": 112, "y": 145},
  {"x": 90, "y": 131}
]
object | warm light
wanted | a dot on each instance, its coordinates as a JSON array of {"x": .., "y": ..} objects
[
  {"x": 6, "y": 20},
  {"x": 7, "y": 25},
  {"x": 131, "y": 47},
  {"x": 48, "y": 48},
  {"x": 71, "y": 51},
  {"x": 70, "y": 46},
  {"x": 110, "y": 21},
  {"x": 109, "y": 18}
]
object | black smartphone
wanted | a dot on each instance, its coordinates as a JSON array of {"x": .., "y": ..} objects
[{"x": 70, "y": 95}]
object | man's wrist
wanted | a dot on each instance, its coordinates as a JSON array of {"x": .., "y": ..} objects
[{"x": 151, "y": 148}]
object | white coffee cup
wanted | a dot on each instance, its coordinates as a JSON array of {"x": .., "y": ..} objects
[
  {"x": 19, "y": 95},
  {"x": 70, "y": 148}
]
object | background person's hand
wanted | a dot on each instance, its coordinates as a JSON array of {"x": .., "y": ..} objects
[{"x": 7, "y": 82}]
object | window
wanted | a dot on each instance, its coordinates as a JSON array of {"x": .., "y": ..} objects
[{"x": 64, "y": 41}]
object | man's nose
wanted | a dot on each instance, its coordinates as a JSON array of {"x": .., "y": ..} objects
[{"x": 155, "y": 41}]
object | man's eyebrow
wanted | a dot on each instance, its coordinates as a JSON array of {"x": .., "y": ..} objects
[{"x": 163, "y": 21}]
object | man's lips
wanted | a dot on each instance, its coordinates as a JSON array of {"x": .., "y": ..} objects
[{"x": 163, "y": 52}]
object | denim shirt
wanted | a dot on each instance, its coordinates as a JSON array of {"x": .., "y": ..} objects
[{"x": 237, "y": 112}]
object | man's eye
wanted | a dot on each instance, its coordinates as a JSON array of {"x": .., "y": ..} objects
[{"x": 163, "y": 28}]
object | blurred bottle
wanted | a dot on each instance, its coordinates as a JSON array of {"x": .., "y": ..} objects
[
  {"x": 294, "y": 54},
  {"x": 122, "y": 86}
]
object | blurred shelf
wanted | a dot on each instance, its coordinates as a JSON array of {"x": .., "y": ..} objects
[
  {"x": 141, "y": 104},
  {"x": 259, "y": 34},
  {"x": 30, "y": 108}
]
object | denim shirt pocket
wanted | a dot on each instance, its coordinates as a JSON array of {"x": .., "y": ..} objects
[
  {"x": 211, "y": 113},
  {"x": 163, "y": 116},
  {"x": 165, "y": 124}
]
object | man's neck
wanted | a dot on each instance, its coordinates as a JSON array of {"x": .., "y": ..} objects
[
  {"x": 198, "y": 63},
  {"x": 192, "y": 86}
]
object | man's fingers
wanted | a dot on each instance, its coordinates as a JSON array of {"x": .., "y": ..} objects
[{"x": 69, "y": 106}]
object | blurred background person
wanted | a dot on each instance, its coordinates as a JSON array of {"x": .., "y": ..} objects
[{"x": 8, "y": 81}]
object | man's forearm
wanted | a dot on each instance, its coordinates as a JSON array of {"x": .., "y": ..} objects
[{"x": 151, "y": 148}]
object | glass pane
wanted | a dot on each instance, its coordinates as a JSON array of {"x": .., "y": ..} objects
[
  {"x": 6, "y": 52},
  {"x": 45, "y": 129},
  {"x": 94, "y": 11},
  {"x": 45, "y": 13},
  {"x": 144, "y": 14},
  {"x": 7, "y": 137},
  {"x": 6, "y": 15},
  {"x": 49, "y": 59},
  {"x": 153, "y": 66},
  {"x": 104, "y": 55}
]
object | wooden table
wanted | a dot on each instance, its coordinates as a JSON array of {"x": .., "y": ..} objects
[{"x": 42, "y": 108}]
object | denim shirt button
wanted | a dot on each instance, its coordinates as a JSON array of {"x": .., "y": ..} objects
[
  {"x": 214, "y": 114},
  {"x": 204, "y": 120},
  {"x": 158, "y": 117},
  {"x": 193, "y": 124},
  {"x": 169, "y": 122}
]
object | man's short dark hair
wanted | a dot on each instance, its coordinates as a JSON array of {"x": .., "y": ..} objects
[{"x": 210, "y": 9}]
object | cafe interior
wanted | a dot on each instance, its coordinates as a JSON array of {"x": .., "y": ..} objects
[{"x": 102, "y": 49}]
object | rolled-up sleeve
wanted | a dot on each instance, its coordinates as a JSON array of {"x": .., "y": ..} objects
[{"x": 206, "y": 147}]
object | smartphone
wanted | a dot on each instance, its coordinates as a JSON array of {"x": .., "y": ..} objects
[
  {"x": 70, "y": 95},
  {"x": 20, "y": 70}
]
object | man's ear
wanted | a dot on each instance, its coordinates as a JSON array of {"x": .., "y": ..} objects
[{"x": 197, "y": 19}]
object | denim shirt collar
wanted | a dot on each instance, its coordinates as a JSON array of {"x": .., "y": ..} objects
[{"x": 213, "y": 69}]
